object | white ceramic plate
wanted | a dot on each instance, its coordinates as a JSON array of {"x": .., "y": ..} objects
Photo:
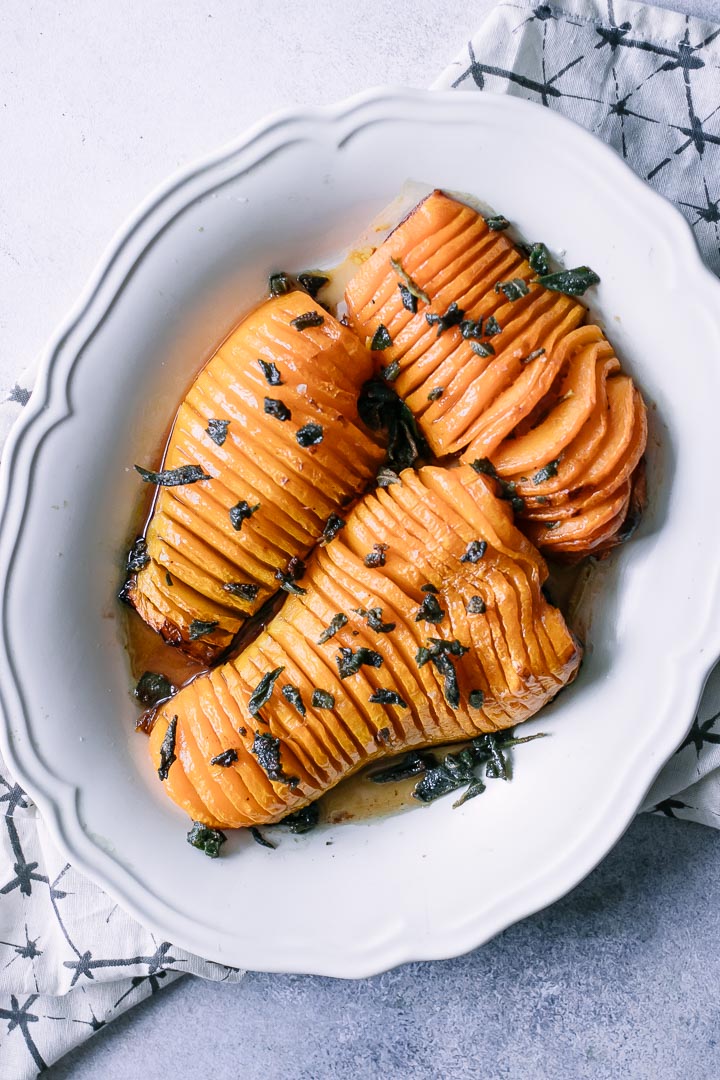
[{"x": 293, "y": 193}]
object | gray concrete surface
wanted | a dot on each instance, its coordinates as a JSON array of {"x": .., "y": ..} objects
[{"x": 618, "y": 981}]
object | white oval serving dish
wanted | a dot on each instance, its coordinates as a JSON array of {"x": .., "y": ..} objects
[{"x": 295, "y": 192}]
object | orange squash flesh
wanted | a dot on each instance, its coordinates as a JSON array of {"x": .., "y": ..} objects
[
  {"x": 193, "y": 547},
  {"x": 549, "y": 399},
  {"x": 520, "y": 653}
]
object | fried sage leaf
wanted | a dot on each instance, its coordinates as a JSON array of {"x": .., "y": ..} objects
[
  {"x": 184, "y": 474},
  {"x": 206, "y": 839},
  {"x": 313, "y": 283},
  {"x": 381, "y": 339},
  {"x": 322, "y": 699},
  {"x": 309, "y": 435},
  {"x": 570, "y": 282},
  {"x": 225, "y": 759},
  {"x": 199, "y": 629},
  {"x": 217, "y": 430},
  {"x": 266, "y": 749},
  {"x": 513, "y": 289},
  {"x": 260, "y": 839},
  {"x": 271, "y": 373},
  {"x": 303, "y": 820},
  {"x": 152, "y": 688},
  {"x": 349, "y": 662},
  {"x": 263, "y": 691},
  {"x": 137, "y": 556},
  {"x": 241, "y": 512},
  {"x": 336, "y": 623},
  {"x": 294, "y": 697},
  {"x": 307, "y": 320},
  {"x": 167, "y": 749},
  {"x": 387, "y": 697}
]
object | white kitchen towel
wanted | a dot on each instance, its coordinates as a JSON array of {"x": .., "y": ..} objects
[{"x": 646, "y": 81}]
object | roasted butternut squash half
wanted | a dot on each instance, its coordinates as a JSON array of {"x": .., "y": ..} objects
[
  {"x": 496, "y": 366},
  {"x": 421, "y": 622},
  {"x": 266, "y": 449}
]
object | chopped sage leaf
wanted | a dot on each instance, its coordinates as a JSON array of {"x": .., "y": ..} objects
[
  {"x": 476, "y": 699},
  {"x": 295, "y": 568},
  {"x": 217, "y": 430},
  {"x": 137, "y": 556},
  {"x": 391, "y": 371},
  {"x": 206, "y": 839},
  {"x": 125, "y": 591},
  {"x": 497, "y": 223},
  {"x": 475, "y": 551},
  {"x": 430, "y": 610},
  {"x": 445, "y": 667},
  {"x": 452, "y": 317},
  {"x": 381, "y": 339},
  {"x": 492, "y": 327},
  {"x": 408, "y": 282},
  {"x": 303, "y": 820},
  {"x": 276, "y": 408},
  {"x": 383, "y": 736},
  {"x": 442, "y": 645},
  {"x": 167, "y": 749},
  {"x": 476, "y": 787},
  {"x": 349, "y": 662},
  {"x": 260, "y": 839},
  {"x": 539, "y": 259},
  {"x": 376, "y": 558},
  {"x": 374, "y": 620},
  {"x": 409, "y": 302},
  {"x": 239, "y": 588},
  {"x": 333, "y": 525},
  {"x": 313, "y": 283},
  {"x": 471, "y": 328},
  {"x": 288, "y": 585},
  {"x": 482, "y": 348},
  {"x": 513, "y": 289},
  {"x": 547, "y": 472},
  {"x": 168, "y": 580},
  {"x": 387, "y": 697},
  {"x": 225, "y": 759},
  {"x": 185, "y": 474},
  {"x": 428, "y": 588},
  {"x": 570, "y": 282},
  {"x": 294, "y": 697},
  {"x": 152, "y": 688},
  {"x": 386, "y": 477},
  {"x": 266, "y": 749},
  {"x": 322, "y": 699},
  {"x": 279, "y": 284},
  {"x": 436, "y": 394},
  {"x": 532, "y": 356},
  {"x": 336, "y": 623},
  {"x": 199, "y": 629},
  {"x": 484, "y": 466},
  {"x": 411, "y": 764},
  {"x": 307, "y": 320},
  {"x": 241, "y": 512},
  {"x": 476, "y": 606},
  {"x": 271, "y": 373},
  {"x": 309, "y": 435},
  {"x": 382, "y": 410},
  {"x": 263, "y": 691},
  {"x": 453, "y": 772}
]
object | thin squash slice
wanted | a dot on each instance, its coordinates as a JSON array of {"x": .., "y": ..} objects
[
  {"x": 271, "y": 423},
  {"x": 422, "y": 622},
  {"x": 495, "y": 367}
]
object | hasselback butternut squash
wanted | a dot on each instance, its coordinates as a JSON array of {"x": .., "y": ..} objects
[
  {"x": 496, "y": 366},
  {"x": 422, "y": 622},
  {"x": 271, "y": 424}
]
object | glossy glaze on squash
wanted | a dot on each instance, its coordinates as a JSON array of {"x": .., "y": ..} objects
[
  {"x": 548, "y": 399},
  {"x": 430, "y": 528},
  {"x": 194, "y": 548}
]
